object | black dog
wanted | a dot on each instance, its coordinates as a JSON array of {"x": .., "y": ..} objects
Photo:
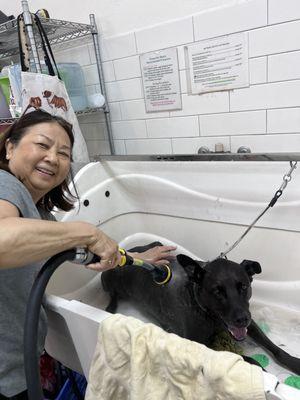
[{"x": 200, "y": 301}]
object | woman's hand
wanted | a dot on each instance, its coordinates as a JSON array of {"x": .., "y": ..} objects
[
  {"x": 158, "y": 255},
  {"x": 108, "y": 251}
]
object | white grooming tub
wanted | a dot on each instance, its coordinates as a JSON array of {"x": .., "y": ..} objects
[{"x": 202, "y": 207}]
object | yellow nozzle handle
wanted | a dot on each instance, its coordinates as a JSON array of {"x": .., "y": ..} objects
[
  {"x": 123, "y": 257},
  {"x": 165, "y": 269}
]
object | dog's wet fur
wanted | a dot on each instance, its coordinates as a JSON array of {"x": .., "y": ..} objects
[{"x": 200, "y": 301}]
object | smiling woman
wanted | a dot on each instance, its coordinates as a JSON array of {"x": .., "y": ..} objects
[
  {"x": 35, "y": 161},
  {"x": 37, "y": 151}
]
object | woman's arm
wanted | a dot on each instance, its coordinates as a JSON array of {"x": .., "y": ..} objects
[{"x": 24, "y": 240}]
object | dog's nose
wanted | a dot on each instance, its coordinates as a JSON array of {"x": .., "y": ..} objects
[{"x": 242, "y": 320}]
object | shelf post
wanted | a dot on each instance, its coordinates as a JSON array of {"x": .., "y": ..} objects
[
  {"x": 28, "y": 24},
  {"x": 94, "y": 32}
]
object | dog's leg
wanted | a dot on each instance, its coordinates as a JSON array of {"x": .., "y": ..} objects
[
  {"x": 288, "y": 361},
  {"x": 49, "y": 103},
  {"x": 113, "y": 305}
]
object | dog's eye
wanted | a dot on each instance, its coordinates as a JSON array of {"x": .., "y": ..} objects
[
  {"x": 218, "y": 291},
  {"x": 244, "y": 286}
]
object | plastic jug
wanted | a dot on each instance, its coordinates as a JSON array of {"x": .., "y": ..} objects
[{"x": 72, "y": 75}]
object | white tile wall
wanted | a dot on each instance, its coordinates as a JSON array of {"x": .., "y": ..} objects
[
  {"x": 129, "y": 89},
  {"x": 117, "y": 47},
  {"x": 272, "y": 95},
  {"x": 129, "y": 129},
  {"x": 236, "y": 17},
  {"x": 161, "y": 36},
  {"x": 265, "y": 116},
  {"x": 135, "y": 109},
  {"x": 274, "y": 39},
  {"x": 115, "y": 111},
  {"x": 284, "y": 66},
  {"x": 267, "y": 143},
  {"x": 120, "y": 147},
  {"x": 286, "y": 120},
  {"x": 149, "y": 146},
  {"x": 281, "y": 11},
  {"x": 203, "y": 104},
  {"x": 173, "y": 127},
  {"x": 241, "y": 123},
  {"x": 94, "y": 131},
  {"x": 126, "y": 68},
  {"x": 96, "y": 147},
  {"x": 258, "y": 70},
  {"x": 108, "y": 71}
]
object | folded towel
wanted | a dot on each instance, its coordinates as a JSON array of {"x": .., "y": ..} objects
[{"x": 139, "y": 361}]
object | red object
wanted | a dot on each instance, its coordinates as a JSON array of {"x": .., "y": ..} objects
[{"x": 48, "y": 373}]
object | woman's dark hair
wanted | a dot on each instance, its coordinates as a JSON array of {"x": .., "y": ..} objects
[{"x": 60, "y": 196}]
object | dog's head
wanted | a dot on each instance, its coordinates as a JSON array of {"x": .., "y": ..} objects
[
  {"x": 223, "y": 289},
  {"x": 47, "y": 94}
]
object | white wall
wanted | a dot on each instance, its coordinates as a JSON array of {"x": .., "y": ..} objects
[
  {"x": 265, "y": 116},
  {"x": 117, "y": 16}
]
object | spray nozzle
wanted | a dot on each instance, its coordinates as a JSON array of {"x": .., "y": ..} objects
[{"x": 161, "y": 274}]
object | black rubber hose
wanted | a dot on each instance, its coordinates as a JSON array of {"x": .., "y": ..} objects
[
  {"x": 31, "y": 356},
  {"x": 160, "y": 274}
]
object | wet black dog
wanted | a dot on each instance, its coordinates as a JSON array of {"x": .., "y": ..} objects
[{"x": 199, "y": 302}]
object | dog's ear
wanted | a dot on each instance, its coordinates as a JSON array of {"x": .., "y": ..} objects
[
  {"x": 251, "y": 267},
  {"x": 193, "y": 268}
]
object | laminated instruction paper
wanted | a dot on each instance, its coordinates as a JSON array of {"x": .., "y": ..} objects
[
  {"x": 218, "y": 64},
  {"x": 161, "y": 82}
]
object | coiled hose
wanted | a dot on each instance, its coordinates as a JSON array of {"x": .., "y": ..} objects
[{"x": 161, "y": 275}]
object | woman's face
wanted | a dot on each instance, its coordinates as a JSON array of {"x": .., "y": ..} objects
[{"x": 41, "y": 160}]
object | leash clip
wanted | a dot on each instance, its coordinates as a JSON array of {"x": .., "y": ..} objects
[{"x": 275, "y": 198}]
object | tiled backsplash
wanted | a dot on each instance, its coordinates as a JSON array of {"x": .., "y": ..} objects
[{"x": 264, "y": 116}]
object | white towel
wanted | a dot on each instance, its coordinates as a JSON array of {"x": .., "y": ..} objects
[{"x": 139, "y": 361}]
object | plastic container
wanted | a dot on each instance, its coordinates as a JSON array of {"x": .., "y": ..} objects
[
  {"x": 4, "y": 85},
  {"x": 72, "y": 75},
  {"x": 67, "y": 391},
  {"x": 4, "y": 109}
]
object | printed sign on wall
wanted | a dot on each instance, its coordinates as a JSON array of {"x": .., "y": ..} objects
[
  {"x": 218, "y": 64},
  {"x": 161, "y": 83}
]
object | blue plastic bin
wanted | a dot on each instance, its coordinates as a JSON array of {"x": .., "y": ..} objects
[{"x": 67, "y": 392}]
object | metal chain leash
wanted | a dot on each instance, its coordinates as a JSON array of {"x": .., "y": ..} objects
[{"x": 286, "y": 179}]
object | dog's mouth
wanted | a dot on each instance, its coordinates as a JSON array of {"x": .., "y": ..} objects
[{"x": 238, "y": 333}]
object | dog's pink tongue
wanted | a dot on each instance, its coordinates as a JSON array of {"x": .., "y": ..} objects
[{"x": 238, "y": 333}]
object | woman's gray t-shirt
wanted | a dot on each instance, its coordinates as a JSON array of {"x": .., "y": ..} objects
[{"x": 15, "y": 285}]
